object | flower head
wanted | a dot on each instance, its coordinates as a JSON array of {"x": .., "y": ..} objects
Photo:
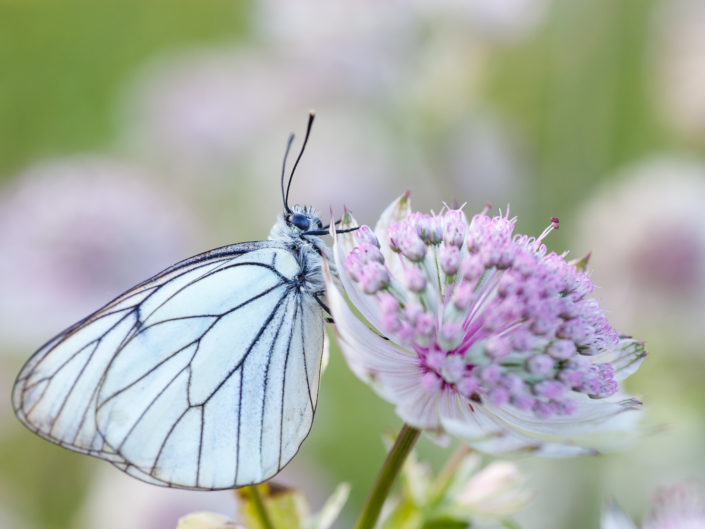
[{"x": 489, "y": 336}]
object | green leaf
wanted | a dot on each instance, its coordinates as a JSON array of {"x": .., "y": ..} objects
[
  {"x": 404, "y": 515},
  {"x": 286, "y": 508},
  {"x": 445, "y": 523}
]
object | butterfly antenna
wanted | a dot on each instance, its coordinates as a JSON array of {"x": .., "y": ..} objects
[
  {"x": 311, "y": 117},
  {"x": 286, "y": 155}
]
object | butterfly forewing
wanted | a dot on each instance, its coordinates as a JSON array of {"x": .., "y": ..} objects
[{"x": 205, "y": 376}]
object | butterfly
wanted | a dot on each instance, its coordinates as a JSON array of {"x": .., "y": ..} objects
[{"x": 204, "y": 376}]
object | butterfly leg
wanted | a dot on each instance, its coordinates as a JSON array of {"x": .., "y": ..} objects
[{"x": 329, "y": 319}]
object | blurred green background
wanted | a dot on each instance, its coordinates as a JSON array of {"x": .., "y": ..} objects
[{"x": 133, "y": 134}]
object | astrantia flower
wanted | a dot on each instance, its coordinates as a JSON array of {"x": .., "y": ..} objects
[
  {"x": 480, "y": 331},
  {"x": 679, "y": 507}
]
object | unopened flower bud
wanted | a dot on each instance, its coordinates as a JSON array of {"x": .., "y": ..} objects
[
  {"x": 449, "y": 259},
  {"x": 435, "y": 234},
  {"x": 410, "y": 244},
  {"x": 369, "y": 252},
  {"x": 463, "y": 296},
  {"x": 451, "y": 335},
  {"x": 374, "y": 277},
  {"x": 454, "y": 228},
  {"x": 353, "y": 265},
  {"x": 415, "y": 279},
  {"x": 540, "y": 364},
  {"x": 364, "y": 234}
]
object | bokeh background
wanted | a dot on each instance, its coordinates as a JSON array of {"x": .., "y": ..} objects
[{"x": 133, "y": 134}]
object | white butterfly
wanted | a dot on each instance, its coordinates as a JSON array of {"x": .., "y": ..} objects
[{"x": 204, "y": 376}]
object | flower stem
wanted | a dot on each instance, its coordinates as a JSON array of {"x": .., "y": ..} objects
[
  {"x": 392, "y": 465},
  {"x": 258, "y": 507}
]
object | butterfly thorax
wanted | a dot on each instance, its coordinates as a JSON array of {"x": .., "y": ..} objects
[{"x": 291, "y": 229}]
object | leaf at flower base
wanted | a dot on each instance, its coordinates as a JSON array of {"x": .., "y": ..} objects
[
  {"x": 331, "y": 508},
  {"x": 206, "y": 520},
  {"x": 456, "y": 473},
  {"x": 416, "y": 480},
  {"x": 286, "y": 507},
  {"x": 403, "y": 514},
  {"x": 445, "y": 523}
]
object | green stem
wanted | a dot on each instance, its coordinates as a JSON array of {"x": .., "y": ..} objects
[
  {"x": 259, "y": 508},
  {"x": 392, "y": 465}
]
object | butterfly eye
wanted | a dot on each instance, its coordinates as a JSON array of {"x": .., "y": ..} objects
[{"x": 300, "y": 221}]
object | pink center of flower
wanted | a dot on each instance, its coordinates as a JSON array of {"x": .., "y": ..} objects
[{"x": 489, "y": 314}]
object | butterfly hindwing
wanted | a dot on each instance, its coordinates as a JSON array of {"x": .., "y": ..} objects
[{"x": 205, "y": 376}]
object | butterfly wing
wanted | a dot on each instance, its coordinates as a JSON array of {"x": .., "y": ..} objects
[{"x": 204, "y": 376}]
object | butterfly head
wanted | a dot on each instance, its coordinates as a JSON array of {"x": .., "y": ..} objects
[
  {"x": 303, "y": 218},
  {"x": 302, "y": 223}
]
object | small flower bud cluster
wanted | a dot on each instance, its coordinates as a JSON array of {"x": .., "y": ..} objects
[{"x": 489, "y": 313}]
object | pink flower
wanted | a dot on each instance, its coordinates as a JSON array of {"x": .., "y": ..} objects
[
  {"x": 646, "y": 228},
  {"x": 678, "y": 507},
  {"x": 502, "y": 346}
]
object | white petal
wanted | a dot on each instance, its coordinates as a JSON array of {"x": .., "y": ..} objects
[
  {"x": 591, "y": 416},
  {"x": 467, "y": 420},
  {"x": 398, "y": 210},
  {"x": 362, "y": 302},
  {"x": 404, "y": 386},
  {"x": 368, "y": 354},
  {"x": 488, "y": 433},
  {"x": 549, "y": 449},
  {"x": 347, "y": 240},
  {"x": 419, "y": 408},
  {"x": 625, "y": 358}
]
